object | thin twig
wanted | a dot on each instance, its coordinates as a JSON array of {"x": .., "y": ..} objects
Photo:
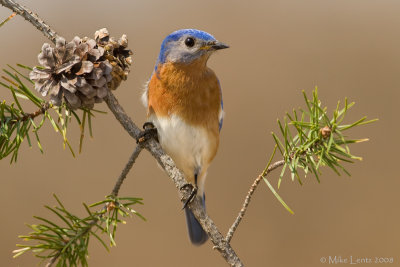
[
  {"x": 126, "y": 170},
  {"x": 32, "y": 18},
  {"x": 38, "y": 112},
  {"x": 246, "y": 203},
  {"x": 32, "y": 115}
]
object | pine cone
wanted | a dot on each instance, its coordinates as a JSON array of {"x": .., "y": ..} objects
[
  {"x": 117, "y": 54},
  {"x": 81, "y": 71}
]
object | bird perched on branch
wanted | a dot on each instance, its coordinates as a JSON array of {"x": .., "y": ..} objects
[{"x": 184, "y": 102}]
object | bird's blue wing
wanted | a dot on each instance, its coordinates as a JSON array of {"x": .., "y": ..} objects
[
  {"x": 221, "y": 120},
  {"x": 221, "y": 115}
]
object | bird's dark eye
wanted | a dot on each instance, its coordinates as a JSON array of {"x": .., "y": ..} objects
[{"x": 189, "y": 42}]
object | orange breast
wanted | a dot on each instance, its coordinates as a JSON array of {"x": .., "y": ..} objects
[{"x": 189, "y": 91}]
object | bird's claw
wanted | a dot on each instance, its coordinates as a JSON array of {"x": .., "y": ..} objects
[
  {"x": 148, "y": 125},
  {"x": 193, "y": 192},
  {"x": 150, "y": 131}
]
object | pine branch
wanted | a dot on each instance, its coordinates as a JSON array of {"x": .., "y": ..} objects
[
  {"x": 319, "y": 142},
  {"x": 109, "y": 205},
  {"x": 28, "y": 116},
  {"x": 66, "y": 243}
]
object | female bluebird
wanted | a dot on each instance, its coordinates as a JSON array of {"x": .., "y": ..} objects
[{"x": 184, "y": 102}]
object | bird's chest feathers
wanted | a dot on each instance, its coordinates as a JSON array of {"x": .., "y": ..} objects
[
  {"x": 191, "y": 147},
  {"x": 190, "y": 92}
]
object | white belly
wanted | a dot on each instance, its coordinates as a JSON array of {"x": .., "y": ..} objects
[{"x": 191, "y": 148}]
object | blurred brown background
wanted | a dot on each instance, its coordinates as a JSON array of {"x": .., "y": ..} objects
[{"x": 346, "y": 48}]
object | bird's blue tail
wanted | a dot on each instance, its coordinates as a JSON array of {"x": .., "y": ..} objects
[{"x": 196, "y": 232}]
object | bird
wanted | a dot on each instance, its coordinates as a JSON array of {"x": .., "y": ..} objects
[{"x": 183, "y": 98}]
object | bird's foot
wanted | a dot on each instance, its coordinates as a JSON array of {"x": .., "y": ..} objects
[
  {"x": 150, "y": 131},
  {"x": 193, "y": 192}
]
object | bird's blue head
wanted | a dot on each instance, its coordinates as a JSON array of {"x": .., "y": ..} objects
[{"x": 187, "y": 45}]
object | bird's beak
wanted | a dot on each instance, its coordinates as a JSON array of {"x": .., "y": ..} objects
[
  {"x": 218, "y": 45},
  {"x": 214, "y": 45}
]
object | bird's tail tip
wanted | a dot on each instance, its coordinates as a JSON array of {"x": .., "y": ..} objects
[{"x": 196, "y": 233}]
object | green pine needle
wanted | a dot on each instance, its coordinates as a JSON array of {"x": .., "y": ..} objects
[
  {"x": 277, "y": 196},
  {"x": 68, "y": 239},
  {"x": 319, "y": 140}
]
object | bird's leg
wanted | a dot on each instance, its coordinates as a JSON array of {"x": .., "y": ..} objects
[
  {"x": 150, "y": 131},
  {"x": 193, "y": 192}
]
